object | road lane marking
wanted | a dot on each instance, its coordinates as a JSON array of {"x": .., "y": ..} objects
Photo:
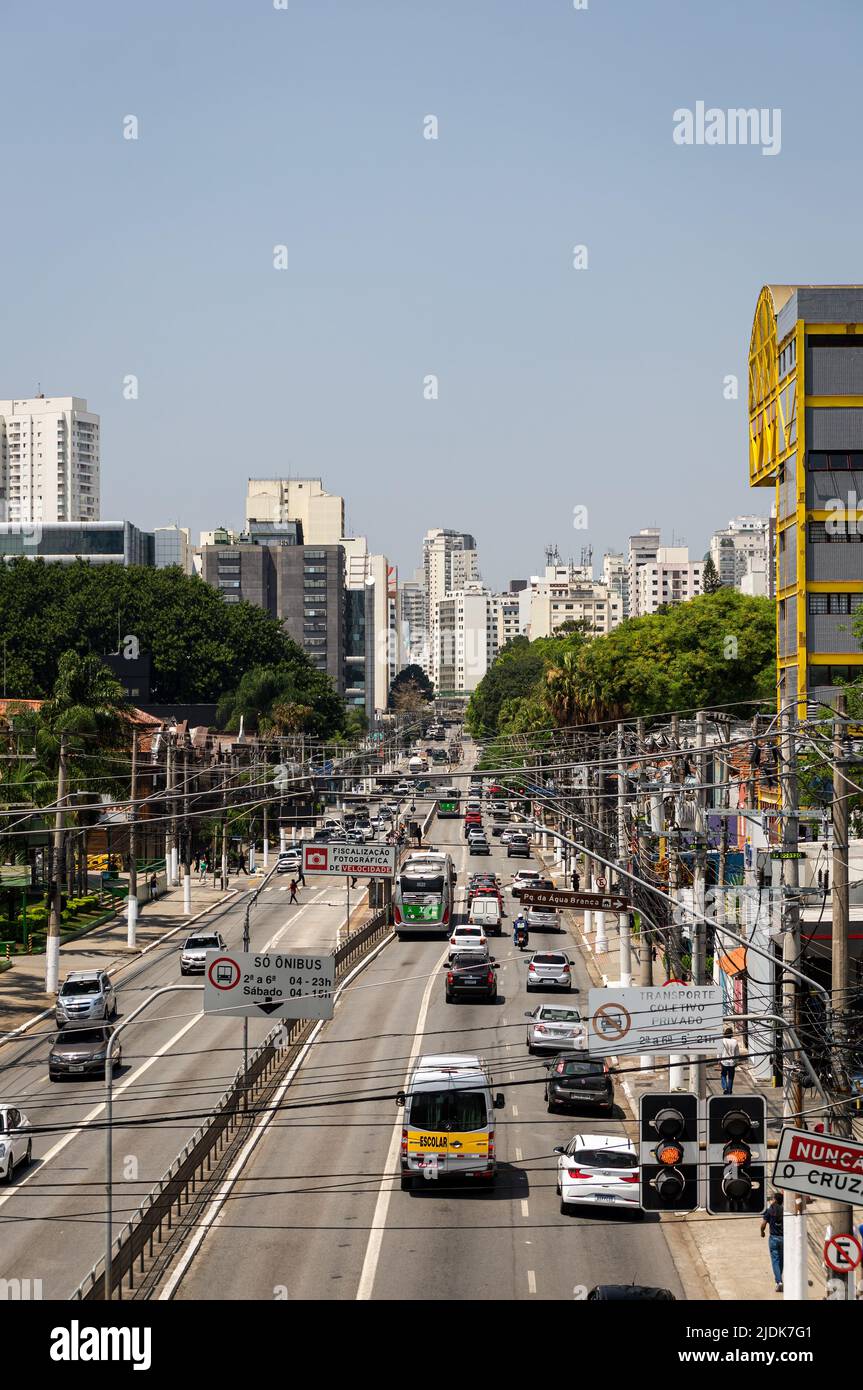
[
  {"x": 519, "y": 1156},
  {"x": 292, "y": 920},
  {"x": 525, "y": 1210},
  {"x": 97, "y": 1110},
  {"x": 515, "y": 1112},
  {"x": 531, "y": 1281}
]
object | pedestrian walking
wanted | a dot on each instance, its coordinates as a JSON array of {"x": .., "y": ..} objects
[
  {"x": 154, "y": 886},
  {"x": 204, "y": 869},
  {"x": 729, "y": 1056},
  {"x": 301, "y": 878},
  {"x": 293, "y": 897},
  {"x": 772, "y": 1221},
  {"x": 576, "y": 881},
  {"x": 241, "y": 863}
]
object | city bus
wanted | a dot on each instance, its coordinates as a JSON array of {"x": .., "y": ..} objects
[
  {"x": 448, "y": 803},
  {"x": 424, "y": 894}
]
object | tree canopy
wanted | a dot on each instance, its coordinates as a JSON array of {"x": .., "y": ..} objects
[
  {"x": 292, "y": 697},
  {"x": 716, "y": 649},
  {"x": 411, "y": 679},
  {"x": 200, "y": 645}
]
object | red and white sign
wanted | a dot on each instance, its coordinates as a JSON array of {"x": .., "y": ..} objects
[
  {"x": 223, "y": 973},
  {"x": 365, "y": 861},
  {"x": 819, "y": 1165},
  {"x": 842, "y": 1253}
]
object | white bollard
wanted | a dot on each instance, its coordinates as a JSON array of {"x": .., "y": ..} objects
[
  {"x": 187, "y": 893},
  {"x": 601, "y": 942},
  {"x": 266, "y": 854},
  {"x": 131, "y": 920},
  {"x": 677, "y": 1072},
  {"x": 174, "y": 867},
  {"x": 282, "y": 840}
]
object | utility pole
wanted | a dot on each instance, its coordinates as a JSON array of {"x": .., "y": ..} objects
[
  {"x": 52, "y": 943},
  {"x": 697, "y": 1066},
  {"x": 265, "y": 794},
  {"x": 624, "y": 932},
  {"x": 224, "y": 879},
  {"x": 842, "y": 1214},
  {"x": 676, "y": 1060},
  {"x": 169, "y": 805},
  {"x": 795, "y": 1281},
  {"x": 132, "y": 900},
  {"x": 187, "y": 838},
  {"x": 646, "y": 942}
]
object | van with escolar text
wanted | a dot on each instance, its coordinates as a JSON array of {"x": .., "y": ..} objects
[{"x": 449, "y": 1123}]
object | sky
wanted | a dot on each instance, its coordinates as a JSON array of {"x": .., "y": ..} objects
[{"x": 580, "y": 395}]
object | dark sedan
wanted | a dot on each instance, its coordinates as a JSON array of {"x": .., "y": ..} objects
[
  {"x": 81, "y": 1052},
  {"x": 478, "y": 844},
  {"x": 578, "y": 1081},
  {"x": 471, "y": 975}
]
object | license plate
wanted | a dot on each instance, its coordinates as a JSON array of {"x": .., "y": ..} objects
[
  {"x": 601, "y": 1197},
  {"x": 77, "y": 1067}
]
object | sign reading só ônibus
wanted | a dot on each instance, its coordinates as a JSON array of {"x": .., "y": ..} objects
[
  {"x": 366, "y": 861},
  {"x": 269, "y": 984}
]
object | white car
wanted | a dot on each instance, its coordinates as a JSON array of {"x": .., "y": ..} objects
[
  {"x": 467, "y": 938},
  {"x": 525, "y": 878},
  {"x": 598, "y": 1170},
  {"x": 289, "y": 862},
  {"x": 193, "y": 957},
  {"x": 554, "y": 1028},
  {"x": 16, "y": 1146}
]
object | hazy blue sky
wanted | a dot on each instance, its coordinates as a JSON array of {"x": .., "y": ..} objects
[{"x": 600, "y": 387}]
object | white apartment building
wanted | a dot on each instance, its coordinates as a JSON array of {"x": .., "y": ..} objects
[
  {"x": 508, "y": 618},
  {"x": 744, "y": 545},
  {"x": 449, "y": 565},
  {"x": 413, "y": 622},
  {"x": 615, "y": 576},
  {"x": 298, "y": 499},
  {"x": 465, "y": 629},
  {"x": 49, "y": 460},
  {"x": 566, "y": 593},
  {"x": 671, "y": 578},
  {"x": 642, "y": 548}
]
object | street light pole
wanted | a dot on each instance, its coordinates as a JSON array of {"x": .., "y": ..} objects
[{"x": 109, "y": 1113}]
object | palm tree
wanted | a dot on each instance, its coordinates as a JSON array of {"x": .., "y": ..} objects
[{"x": 563, "y": 689}]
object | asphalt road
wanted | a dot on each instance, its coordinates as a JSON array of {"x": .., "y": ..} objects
[
  {"x": 176, "y": 1064},
  {"x": 318, "y": 1212}
]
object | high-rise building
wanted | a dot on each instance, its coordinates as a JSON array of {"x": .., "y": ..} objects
[
  {"x": 669, "y": 578},
  {"x": 321, "y": 514},
  {"x": 49, "y": 460},
  {"x": 642, "y": 548},
  {"x": 172, "y": 546},
  {"x": 806, "y": 441},
  {"x": 449, "y": 564},
  {"x": 507, "y": 618},
  {"x": 98, "y": 542},
  {"x": 465, "y": 627},
  {"x": 743, "y": 545},
  {"x": 413, "y": 622},
  {"x": 566, "y": 594},
  {"x": 615, "y": 576}
]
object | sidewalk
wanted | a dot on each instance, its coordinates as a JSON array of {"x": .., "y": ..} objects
[
  {"x": 728, "y": 1255},
  {"x": 22, "y": 988}
]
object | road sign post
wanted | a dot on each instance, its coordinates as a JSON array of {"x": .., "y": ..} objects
[
  {"x": 361, "y": 861},
  {"x": 269, "y": 984}
]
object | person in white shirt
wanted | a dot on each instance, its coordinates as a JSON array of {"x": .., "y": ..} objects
[{"x": 729, "y": 1056}]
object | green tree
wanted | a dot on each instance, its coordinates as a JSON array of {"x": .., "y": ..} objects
[
  {"x": 411, "y": 676},
  {"x": 710, "y": 581},
  {"x": 514, "y": 675},
  {"x": 293, "y": 693}
]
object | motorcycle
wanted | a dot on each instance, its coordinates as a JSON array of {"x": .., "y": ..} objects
[{"x": 520, "y": 935}]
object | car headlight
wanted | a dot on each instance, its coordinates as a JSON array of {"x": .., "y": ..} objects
[{"x": 2, "y": 1150}]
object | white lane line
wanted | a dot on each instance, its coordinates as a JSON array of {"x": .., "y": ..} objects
[
  {"x": 379, "y": 1219},
  {"x": 531, "y": 1281},
  {"x": 292, "y": 920},
  {"x": 213, "y": 1215},
  {"x": 515, "y": 1112},
  {"x": 519, "y": 1156},
  {"x": 525, "y": 1210},
  {"x": 97, "y": 1110}
]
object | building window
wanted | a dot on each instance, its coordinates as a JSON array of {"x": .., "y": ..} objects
[
  {"x": 838, "y": 604},
  {"x": 314, "y": 554},
  {"x": 229, "y": 583},
  {"x": 837, "y": 535},
  {"x": 818, "y": 603},
  {"x": 833, "y": 461}
]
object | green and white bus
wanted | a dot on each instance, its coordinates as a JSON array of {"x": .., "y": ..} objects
[
  {"x": 448, "y": 803},
  {"x": 424, "y": 894}
]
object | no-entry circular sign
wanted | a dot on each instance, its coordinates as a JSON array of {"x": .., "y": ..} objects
[
  {"x": 223, "y": 973},
  {"x": 842, "y": 1253},
  {"x": 612, "y": 1021}
]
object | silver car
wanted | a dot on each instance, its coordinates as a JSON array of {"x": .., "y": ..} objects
[
  {"x": 193, "y": 957},
  {"x": 85, "y": 996},
  {"x": 554, "y": 1028},
  {"x": 549, "y": 970},
  {"x": 543, "y": 918}
]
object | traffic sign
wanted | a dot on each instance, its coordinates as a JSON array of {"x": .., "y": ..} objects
[
  {"x": 672, "y": 1018},
  {"x": 274, "y": 984},
  {"x": 565, "y": 897},
  {"x": 842, "y": 1253},
  {"x": 601, "y": 883},
  {"x": 368, "y": 861},
  {"x": 819, "y": 1165}
]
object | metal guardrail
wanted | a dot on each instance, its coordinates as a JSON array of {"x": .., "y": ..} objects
[{"x": 162, "y": 1208}]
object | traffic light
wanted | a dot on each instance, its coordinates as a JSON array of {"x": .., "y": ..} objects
[
  {"x": 736, "y": 1152},
  {"x": 668, "y": 1151}
]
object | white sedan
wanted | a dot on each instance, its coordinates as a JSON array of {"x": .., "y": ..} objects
[
  {"x": 467, "y": 938},
  {"x": 598, "y": 1170},
  {"x": 16, "y": 1146}
]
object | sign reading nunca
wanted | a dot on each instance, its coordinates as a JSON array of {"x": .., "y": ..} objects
[
  {"x": 675, "y": 1018},
  {"x": 821, "y": 1165},
  {"x": 367, "y": 861}
]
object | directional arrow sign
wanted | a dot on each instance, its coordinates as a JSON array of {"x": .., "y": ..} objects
[
  {"x": 243, "y": 984},
  {"x": 564, "y": 897}
]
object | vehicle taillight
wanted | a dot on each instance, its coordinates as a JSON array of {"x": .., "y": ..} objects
[
  {"x": 404, "y": 1143},
  {"x": 452, "y": 941},
  {"x": 491, "y": 1148},
  {"x": 629, "y": 1177},
  {"x": 531, "y": 966},
  {"x": 579, "y": 1173},
  {"x": 449, "y": 977},
  {"x": 566, "y": 970},
  {"x": 490, "y": 977},
  {"x": 397, "y": 915},
  {"x": 446, "y": 917}
]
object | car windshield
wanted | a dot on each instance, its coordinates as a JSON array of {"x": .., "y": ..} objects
[
  {"x": 81, "y": 987},
  {"x": 567, "y": 1067},
  {"x": 451, "y": 1110},
  {"x": 559, "y": 1015},
  {"x": 470, "y": 960},
  {"x": 81, "y": 1035},
  {"x": 605, "y": 1158},
  {"x": 421, "y": 883},
  {"x": 549, "y": 959},
  {"x": 202, "y": 943}
]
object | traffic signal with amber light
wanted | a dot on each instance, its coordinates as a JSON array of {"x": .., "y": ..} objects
[
  {"x": 736, "y": 1154},
  {"x": 668, "y": 1151}
]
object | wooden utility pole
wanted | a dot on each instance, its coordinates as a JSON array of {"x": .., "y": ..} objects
[
  {"x": 52, "y": 943},
  {"x": 132, "y": 901}
]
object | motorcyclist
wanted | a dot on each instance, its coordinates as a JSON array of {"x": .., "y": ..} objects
[{"x": 519, "y": 930}]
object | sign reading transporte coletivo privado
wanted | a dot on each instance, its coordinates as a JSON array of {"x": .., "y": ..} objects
[{"x": 674, "y": 1018}]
